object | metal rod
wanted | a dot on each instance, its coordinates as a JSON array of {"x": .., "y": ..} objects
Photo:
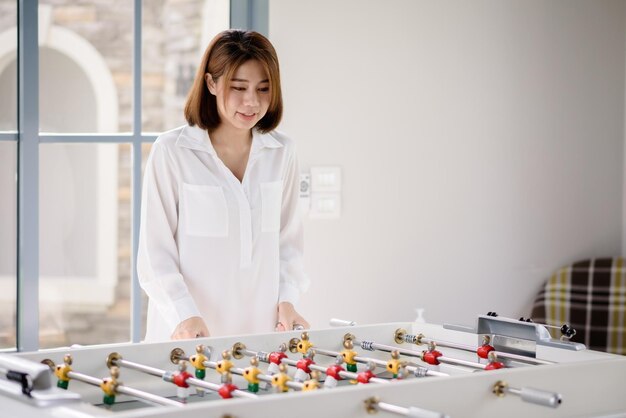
[
  {"x": 373, "y": 405},
  {"x": 192, "y": 380},
  {"x": 412, "y": 353},
  {"x": 235, "y": 370},
  {"x": 459, "y": 362},
  {"x": 500, "y": 354},
  {"x": 523, "y": 359},
  {"x": 160, "y": 400},
  {"x": 143, "y": 368},
  {"x": 125, "y": 390},
  {"x": 371, "y": 346},
  {"x": 335, "y": 322},
  {"x": 290, "y": 362},
  {"x": 392, "y": 408}
]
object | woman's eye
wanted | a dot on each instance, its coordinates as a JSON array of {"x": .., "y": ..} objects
[
  {"x": 239, "y": 88},
  {"x": 264, "y": 89}
]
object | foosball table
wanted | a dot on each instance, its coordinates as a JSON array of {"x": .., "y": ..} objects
[{"x": 498, "y": 367}]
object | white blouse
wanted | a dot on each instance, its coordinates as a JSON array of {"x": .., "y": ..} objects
[{"x": 215, "y": 247}]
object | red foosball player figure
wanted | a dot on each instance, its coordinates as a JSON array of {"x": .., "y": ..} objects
[
  {"x": 223, "y": 366},
  {"x": 303, "y": 366},
  {"x": 484, "y": 350},
  {"x": 227, "y": 388},
  {"x": 313, "y": 383},
  {"x": 395, "y": 366},
  {"x": 280, "y": 379},
  {"x": 251, "y": 375},
  {"x": 179, "y": 378},
  {"x": 275, "y": 359},
  {"x": 332, "y": 373},
  {"x": 365, "y": 376},
  {"x": 493, "y": 364},
  {"x": 109, "y": 386},
  {"x": 304, "y": 345},
  {"x": 431, "y": 356},
  {"x": 348, "y": 356},
  {"x": 61, "y": 371}
]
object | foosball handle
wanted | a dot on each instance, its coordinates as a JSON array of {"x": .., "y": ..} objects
[{"x": 334, "y": 322}]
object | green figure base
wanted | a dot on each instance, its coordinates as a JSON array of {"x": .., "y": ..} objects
[
  {"x": 200, "y": 374},
  {"x": 108, "y": 399},
  {"x": 253, "y": 387},
  {"x": 351, "y": 368},
  {"x": 63, "y": 384}
]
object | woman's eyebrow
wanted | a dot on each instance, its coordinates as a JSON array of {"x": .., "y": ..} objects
[{"x": 246, "y": 81}]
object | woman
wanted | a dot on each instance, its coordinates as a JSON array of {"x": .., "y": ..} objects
[{"x": 220, "y": 246}]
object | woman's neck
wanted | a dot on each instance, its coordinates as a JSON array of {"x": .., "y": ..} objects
[{"x": 227, "y": 137}]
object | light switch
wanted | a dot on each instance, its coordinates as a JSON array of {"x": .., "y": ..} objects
[
  {"x": 325, "y": 205},
  {"x": 325, "y": 179}
]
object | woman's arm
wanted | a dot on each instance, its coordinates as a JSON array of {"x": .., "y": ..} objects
[
  {"x": 293, "y": 280},
  {"x": 158, "y": 263}
]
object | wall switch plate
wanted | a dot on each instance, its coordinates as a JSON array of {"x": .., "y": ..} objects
[
  {"x": 325, "y": 179},
  {"x": 325, "y": 206}
]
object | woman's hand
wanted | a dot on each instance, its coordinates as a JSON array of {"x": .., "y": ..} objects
[
  {"x": 288, "y": 318},
  {"x": 193, "y": 327}
]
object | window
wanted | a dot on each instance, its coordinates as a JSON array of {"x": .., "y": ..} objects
[
  {"x": 84, "y": 169},
  {"x": 8, "y": 172}
]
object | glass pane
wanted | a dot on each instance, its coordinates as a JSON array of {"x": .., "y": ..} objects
[
  {"x": 86, "y": 59},
  {"x": 85, "y": 246},
  {"x": 8, "y": 65},
  {"x": 8, "y": 242},
  {"x": 175, "y": 35},
  {"x": 145, "y": 152}
]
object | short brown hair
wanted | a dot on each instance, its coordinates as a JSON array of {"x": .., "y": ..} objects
[{"x": 226, "y": 52}]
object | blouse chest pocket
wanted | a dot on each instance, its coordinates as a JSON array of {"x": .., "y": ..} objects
[
  {"x": 205, "y": 211},
  {"x": 271, "y": 202}
]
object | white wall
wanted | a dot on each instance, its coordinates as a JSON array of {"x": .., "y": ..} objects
[{"x": 481, "y": 145}]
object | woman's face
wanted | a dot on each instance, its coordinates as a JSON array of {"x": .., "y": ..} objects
[{"x": 246, "y": 100}]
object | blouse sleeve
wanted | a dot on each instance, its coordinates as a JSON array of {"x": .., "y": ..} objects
[
  {"x": 158, "y": 264},
  {"x": 293, "y": 280}
]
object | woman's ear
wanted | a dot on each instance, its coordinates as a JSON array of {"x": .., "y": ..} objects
[{"x": 210, "y": 83}]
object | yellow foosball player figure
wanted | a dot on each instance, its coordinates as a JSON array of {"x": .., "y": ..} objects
[
  {"x": 304, "y": 345},
  {"x": 251, "y": 375},
  {"x": 109, "y": 386},
  {"x": 313, "y": 383},
  {"x": 280, "y": 379},
  {"x": 62, "y": 370},
  {"x": 348, "y": 356},
  {"x": 223, "y": 366},
  {"x": 395, "y": 366},
  {"x": 197, "y": 361}
]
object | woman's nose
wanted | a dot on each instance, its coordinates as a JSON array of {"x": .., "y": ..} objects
[{"x": 251, "y": 98}]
